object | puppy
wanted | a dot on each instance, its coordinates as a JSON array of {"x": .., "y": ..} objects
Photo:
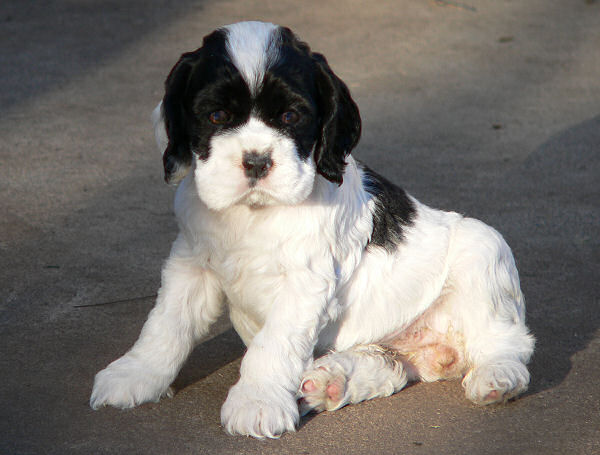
[{"x": 315, "y": 255}]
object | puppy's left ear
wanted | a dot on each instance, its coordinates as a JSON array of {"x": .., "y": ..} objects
[
  {"x": 340, "y": 122},
  {"x": 177, "y": 156}
]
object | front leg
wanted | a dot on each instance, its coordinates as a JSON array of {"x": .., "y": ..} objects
[
  {"x": 188, "y": 302},
  {"x": 263, "y": 402}
]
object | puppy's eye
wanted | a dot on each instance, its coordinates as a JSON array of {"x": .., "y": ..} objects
[
  {"x": 290, "y": 118},
  {"x": 220, "y": 117}
]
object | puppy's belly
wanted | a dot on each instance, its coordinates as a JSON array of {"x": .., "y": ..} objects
[{"x": 428, "y": 354}]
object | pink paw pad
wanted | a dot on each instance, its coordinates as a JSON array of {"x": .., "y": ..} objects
[
  {"x": 334, "y": 392},
  {"x": 494, "y": 395},
  {"x": 309, "y": 386}
]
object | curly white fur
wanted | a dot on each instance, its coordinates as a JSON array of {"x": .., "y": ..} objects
[{"x": 289, "y": 257}]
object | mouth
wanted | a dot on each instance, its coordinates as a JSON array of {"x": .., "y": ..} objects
[{"x": 256, "y": 197}]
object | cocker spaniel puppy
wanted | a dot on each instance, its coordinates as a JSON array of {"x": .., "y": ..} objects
[{"x": 342, "y": 286}]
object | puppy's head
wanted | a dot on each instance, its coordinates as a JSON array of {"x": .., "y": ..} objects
[{"x": 259, "y": 115}]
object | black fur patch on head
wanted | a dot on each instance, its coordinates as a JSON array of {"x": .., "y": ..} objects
[
  {"x": 297, "y": 80},
  {"x": 279, "y": 93},
  {"x": 206, "y": 68},
  {"x": 337, "y": 117},
  {"x": 393, "y": 210}
]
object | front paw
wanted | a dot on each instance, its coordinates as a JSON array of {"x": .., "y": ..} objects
[
  {"x": 126, "y": 383},
  {"x": 259, "y": 410}
]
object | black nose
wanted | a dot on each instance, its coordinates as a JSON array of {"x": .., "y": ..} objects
[{"x": 256, "y": 165}]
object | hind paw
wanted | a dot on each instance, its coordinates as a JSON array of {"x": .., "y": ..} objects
[
  {"x": 322, "y": 389},
  {"x": 496, "y": 383}
]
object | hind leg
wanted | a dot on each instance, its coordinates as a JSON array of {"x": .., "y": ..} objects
[
  {"x": 499, "y": 352},
  {"x": 487, "y": 302},
  {"x": 361, "y": 373}
]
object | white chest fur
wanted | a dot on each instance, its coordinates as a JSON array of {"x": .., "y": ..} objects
[{"x": 255, "y": 250}]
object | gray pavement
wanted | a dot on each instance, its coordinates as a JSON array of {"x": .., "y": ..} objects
[{"x": 487, "y": 108}]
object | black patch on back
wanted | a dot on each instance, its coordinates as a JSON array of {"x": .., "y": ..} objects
[{"x": 393, "y": 210}]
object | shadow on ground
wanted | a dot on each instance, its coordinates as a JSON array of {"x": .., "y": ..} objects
[
  {"x": 91, "y": 33},
  {"x": 557, "y": 209}
]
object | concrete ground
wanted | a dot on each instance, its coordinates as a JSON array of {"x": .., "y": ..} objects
[{"x": 487, "y": 108}]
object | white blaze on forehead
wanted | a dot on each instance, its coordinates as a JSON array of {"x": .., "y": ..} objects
[
  {"x": 250, "y": 46},
  {"x": 254, "y": 135}
]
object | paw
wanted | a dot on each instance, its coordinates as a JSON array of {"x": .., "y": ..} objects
[
  {"x": 496, "y": 383},
  {"x": 322, "y": 389},
  {"x": 126, "y": 383},
  {"x": 259, "y": 410}
]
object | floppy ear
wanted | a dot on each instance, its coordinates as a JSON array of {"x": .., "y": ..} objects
[
  {"x": 177, "y": 157},
  {"x": 340, "y": 122}
]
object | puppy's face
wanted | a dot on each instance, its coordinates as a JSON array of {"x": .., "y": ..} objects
[{"x": 258, "y": 116}]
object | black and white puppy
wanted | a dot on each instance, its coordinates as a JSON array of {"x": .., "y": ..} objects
[{"x": 316, "y": 256}]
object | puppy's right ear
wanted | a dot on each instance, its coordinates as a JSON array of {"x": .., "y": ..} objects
[
  {"x": 177, "y": 157},
  {"x": 160, "y": 133}
]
